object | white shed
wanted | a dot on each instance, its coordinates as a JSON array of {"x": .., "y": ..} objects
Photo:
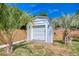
[{"x": 40, "y": 29}]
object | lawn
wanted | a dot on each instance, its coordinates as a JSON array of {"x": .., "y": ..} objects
[
  {"x": 75, "y": 46},
  {"x": 44, "y": 49}
]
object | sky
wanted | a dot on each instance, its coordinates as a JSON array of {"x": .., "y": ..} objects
[{"x": 53, "y": 10}]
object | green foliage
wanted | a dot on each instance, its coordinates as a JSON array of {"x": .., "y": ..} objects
[
  {"x": 3, "y": 15},
  {"x": 55, "y": 23},
  {"x": 12, "y": 18},
  {"x": 67, "y": 21},
  {"x": 75, "y": 22}
]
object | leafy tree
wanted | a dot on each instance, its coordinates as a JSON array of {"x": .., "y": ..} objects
[
  {"x": 43, "y": 14},
  {"x": 10, "y": 19},
  {"x": 75, "y": 22},
  {"x": 55, "y": 23}
]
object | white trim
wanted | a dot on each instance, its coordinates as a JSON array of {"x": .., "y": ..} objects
[
  {"x": 31, "y": 32},
  {"x": 46, "y": 32},
  {"x": 27, "y": 32},
  {"x": 5, "y": 45},
  {"x": 52, "y": 34}
]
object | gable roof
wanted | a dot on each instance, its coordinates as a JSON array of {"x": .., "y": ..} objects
[{"x": 44, "y": 18}]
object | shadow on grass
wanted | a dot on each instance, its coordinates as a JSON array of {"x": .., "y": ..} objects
[
  {"x": 22, "y": 45},
  {"x": 76, "y": 39},
  {"x": 59, "y": 41},
  {"x": 17, "y": 46}
]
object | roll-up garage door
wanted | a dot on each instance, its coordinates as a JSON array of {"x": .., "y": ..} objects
[{"x": 39, "y": 32}]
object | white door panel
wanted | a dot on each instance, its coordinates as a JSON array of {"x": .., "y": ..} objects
[{"x": 39, "y": 33}]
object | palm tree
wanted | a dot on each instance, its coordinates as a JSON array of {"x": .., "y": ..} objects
[{"x": 65, "y": 23}]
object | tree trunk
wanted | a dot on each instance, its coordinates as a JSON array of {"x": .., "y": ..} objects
[
  {"x": 64, "y": 36},
  {"x": 9, "y": 50},
  {"x": 67, "y": 37}
]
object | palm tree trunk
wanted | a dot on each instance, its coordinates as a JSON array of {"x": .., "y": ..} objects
[{"x": 64, "y": 36}]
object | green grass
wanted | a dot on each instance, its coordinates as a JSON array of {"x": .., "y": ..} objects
[
  {"x": 43, "y": 49},
  {"x": 2, "y": 53},
  {"x": 31, "y": 50},
  {"x": 75, "y": 46}
]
